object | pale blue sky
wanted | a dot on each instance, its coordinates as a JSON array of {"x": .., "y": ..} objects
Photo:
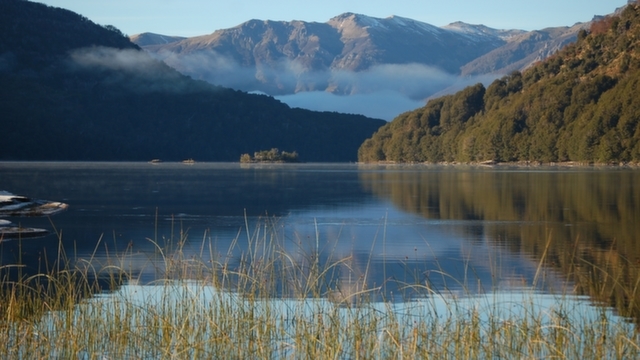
[{"x": 200, "y": 17}]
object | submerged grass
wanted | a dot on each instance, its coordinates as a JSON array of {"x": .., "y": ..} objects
[{"x": 269, "y": 303}]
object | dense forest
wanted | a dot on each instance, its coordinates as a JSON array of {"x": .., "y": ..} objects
[
  {"x": 74, "y": 90},
  {"x": 579, "y": 105}
]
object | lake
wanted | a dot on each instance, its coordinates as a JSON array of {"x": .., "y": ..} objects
[{"x": 465, "y": 230}]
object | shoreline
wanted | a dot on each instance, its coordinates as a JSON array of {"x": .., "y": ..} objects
[{"x": 523, "y": 164}]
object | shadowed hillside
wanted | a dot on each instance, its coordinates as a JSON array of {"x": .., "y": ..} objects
[{"x": 74, "y": 90}]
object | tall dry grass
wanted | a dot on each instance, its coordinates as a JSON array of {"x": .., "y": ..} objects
[{"x": 269, "y": 303}]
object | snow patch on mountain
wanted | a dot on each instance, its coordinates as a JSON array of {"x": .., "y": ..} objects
[
  {"x": 351, "y": 19},
  {"x": 146, "y": 39},
  {"x": 414, "y": 24},
  {"x": 482, "y": 31}
]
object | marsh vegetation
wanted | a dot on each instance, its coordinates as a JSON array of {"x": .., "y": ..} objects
[{"x": 270, "y": 303}]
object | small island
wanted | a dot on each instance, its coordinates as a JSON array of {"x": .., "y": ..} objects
[{"x": 270, "y": 156}]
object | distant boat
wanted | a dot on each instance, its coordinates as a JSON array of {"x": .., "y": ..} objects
[
  {"x": 16, "y": 205},
  {"x": 155, "y": 161},
  {"x": 189, "y": 161}
]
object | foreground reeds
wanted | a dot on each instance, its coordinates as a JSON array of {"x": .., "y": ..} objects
[{"x": 268, "y": 303}]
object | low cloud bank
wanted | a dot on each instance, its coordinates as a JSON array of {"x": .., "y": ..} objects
[
  {"x": 382, "y": 91},
  {"x": 129, "y": 60},
  {"x": 132, "y": 68},
  {"x": 415, "y": 81},
  {"x": 380, "y": 101},
  {"x": 380, "y": 105}
]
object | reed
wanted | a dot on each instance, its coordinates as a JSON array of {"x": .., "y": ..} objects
[{"x": 265, "y": 302}]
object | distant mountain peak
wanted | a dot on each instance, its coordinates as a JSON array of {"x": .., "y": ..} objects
[
  {"x": 462, "y": 26},
  {"x": 411, "y": 23},
  {"x": 345, "y": 16},
  {"x": 393, "y": 21},
  {"x": 359, "y": 20},
  {"x": 482, "y": 30},
  {"x": 147, "y": 38},
  {"x": 286, "y": 57}
]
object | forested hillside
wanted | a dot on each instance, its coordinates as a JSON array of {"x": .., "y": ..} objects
[
  {"x": 74, "y": 90},
  {"x": 579, "y": 105}
]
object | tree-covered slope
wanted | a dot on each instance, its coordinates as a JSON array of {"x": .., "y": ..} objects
[
  {"x": 579, "y": 105},
  {"x": 74, "y": 90}
]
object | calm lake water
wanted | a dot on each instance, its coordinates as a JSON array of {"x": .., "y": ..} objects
[{"x": 457, "y": 229}]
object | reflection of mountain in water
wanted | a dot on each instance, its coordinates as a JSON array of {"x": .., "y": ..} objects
[{"x": 573, "y": 218}]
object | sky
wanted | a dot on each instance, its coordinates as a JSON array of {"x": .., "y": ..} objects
[{"x": 200, "y": 17}]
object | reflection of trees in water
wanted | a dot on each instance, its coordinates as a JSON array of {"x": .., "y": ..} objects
[{"x": 583, "y": 222}]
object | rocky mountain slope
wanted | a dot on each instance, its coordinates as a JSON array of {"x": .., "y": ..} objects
[
  {"x": 279, "y": 57},
  {"x": 523, "y": 50}
]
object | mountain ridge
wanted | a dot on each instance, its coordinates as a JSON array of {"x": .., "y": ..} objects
[
  {"x": 287, "y": 57},
  {"x": 284, "y": 57}
]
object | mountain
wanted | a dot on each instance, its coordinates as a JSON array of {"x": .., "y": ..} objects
[
  {"x": 280, "y": 57},
  {"x": 353, "y": 54},
  {"x": 579, "y": 105},
  {"x": 74, "y": 90},
  {"x": 523, "y": 50},
  {"x": 528, "y": 48},
  {"x": 148, "y": 39}
]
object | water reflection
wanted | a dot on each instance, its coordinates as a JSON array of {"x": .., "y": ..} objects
[
  {"x": 404, "y": 230},
  {"x": 583, "y": 222}
]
